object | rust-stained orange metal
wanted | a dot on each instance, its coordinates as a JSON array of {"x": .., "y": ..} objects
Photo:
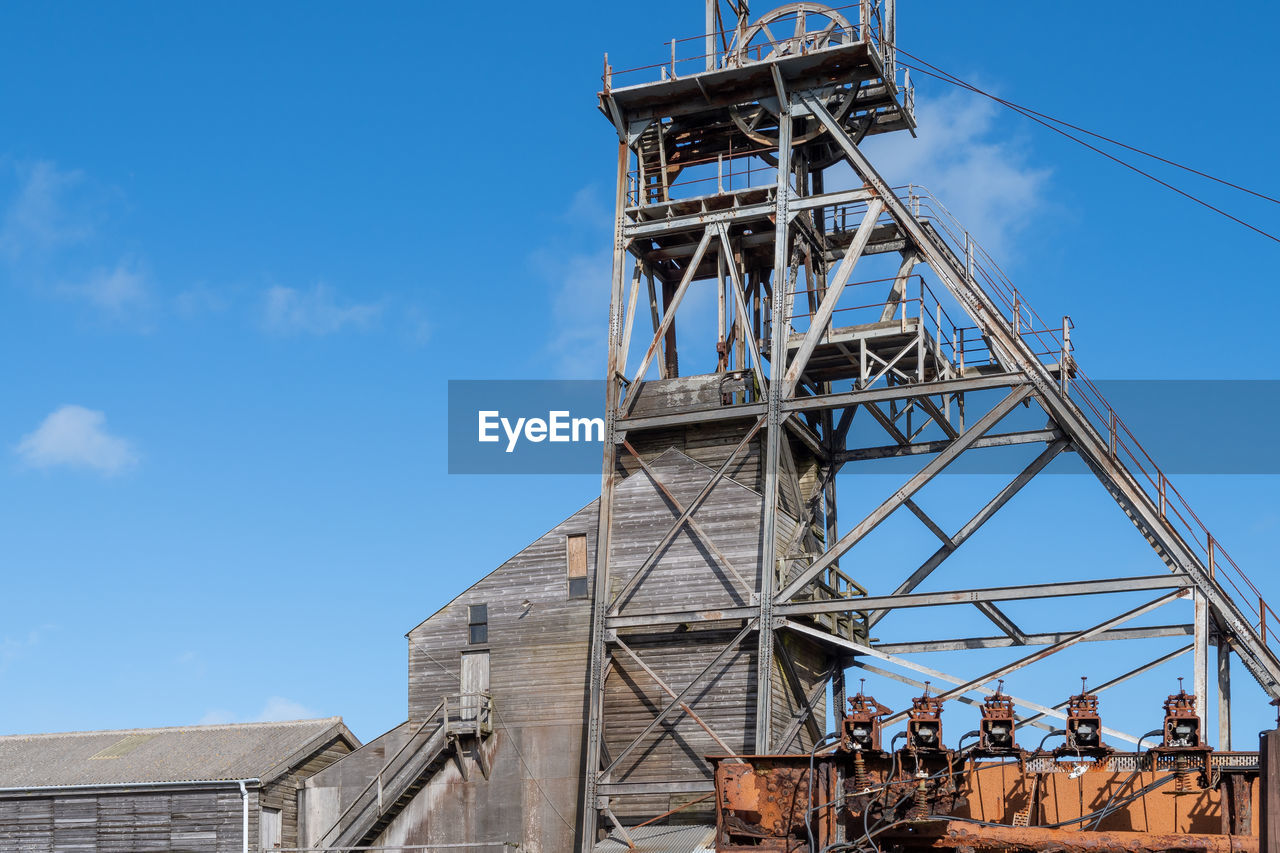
[
  {"x": 996, "y": 792},
  {"x": 762, "y": 804},
  {"x": 968, "y": 836},
  {"x": 1177, "y": 796}
]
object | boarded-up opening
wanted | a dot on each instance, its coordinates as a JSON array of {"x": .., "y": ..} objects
[
  {"x": 576, "y": 546},
  {"x": 475, "y": 682},
  {"x": 269, "y": 825}
]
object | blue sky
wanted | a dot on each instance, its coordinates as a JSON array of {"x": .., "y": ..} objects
[{"x": 243, "y": 248}]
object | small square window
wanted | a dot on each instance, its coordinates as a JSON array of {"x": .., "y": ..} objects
[
  {"x": 576, "y": 564},
  {"x": 477, "y": 623}
]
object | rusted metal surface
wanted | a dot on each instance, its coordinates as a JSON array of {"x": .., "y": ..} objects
[
  {"x": 1033, "y": 801},
  {"x": 996, "y": 792},
  {"x": 763, "y": 804},
  {"x": 860, "y": 730},
  {"x": 1181, "y": 722},
  {"x": 959, "y": 835}
]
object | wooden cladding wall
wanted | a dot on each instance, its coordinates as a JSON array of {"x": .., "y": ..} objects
[
  {"x": 538, "y": 641},
  {"x": 206, "y": 820},
  {"x": 282, "y": 793},
  {"x": 538, "y": 644},
  {"x": 712, "y": 443},
  {"x": 537, "y": 637}
]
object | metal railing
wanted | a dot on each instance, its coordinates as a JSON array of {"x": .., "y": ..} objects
[
  {"x": 457, "y": 714},
  {"x": 1123, "y": 446},
  {"x": 688, "y": 55}
]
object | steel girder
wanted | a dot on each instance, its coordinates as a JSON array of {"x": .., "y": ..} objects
[{"x": 757, "y": 252}]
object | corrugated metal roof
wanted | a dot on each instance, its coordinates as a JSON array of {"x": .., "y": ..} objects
[
  {"x": 189, "y": 753},
  {"x": 662, "y": 839}
]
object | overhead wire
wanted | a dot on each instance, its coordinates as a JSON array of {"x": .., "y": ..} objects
[
  {"x": 1096, "y": 135},
  {"x": 1051, "y": 123}
]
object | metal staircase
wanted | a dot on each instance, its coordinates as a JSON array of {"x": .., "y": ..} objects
[{"x": 458, "y": 721}]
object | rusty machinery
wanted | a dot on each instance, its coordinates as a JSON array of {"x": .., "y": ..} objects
[
  {"x": 1181, "y": 748},
  {"x": 860, "y": 734},
  {"x": 996, "y": 730},
  {"x": 852, "y": 794},
  {"x": 1084, "y": 726}
]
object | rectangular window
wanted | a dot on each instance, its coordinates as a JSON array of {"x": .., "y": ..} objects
[
  {"x": 477, "y": 623},
  {"x": 576, "y": 547}
]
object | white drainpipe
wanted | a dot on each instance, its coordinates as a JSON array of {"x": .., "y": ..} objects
[{"x": 244, "y": 800}]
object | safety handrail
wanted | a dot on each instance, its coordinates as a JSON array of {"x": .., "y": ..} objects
[
  {"x": 689, "y": 52},
  {"x": 1122, "y": 444},
  {"x": 443, "y": 722}
]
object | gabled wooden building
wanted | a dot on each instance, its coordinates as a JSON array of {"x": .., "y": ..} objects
[{"x": 202, "y": 789}]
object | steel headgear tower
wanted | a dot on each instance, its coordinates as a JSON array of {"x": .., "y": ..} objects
[{"x": 742, "y": 193}]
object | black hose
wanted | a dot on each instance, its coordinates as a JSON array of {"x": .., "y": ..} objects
[
  {"x": 960, "y": 743},
  {"x": 1151, "y": 733},
  {"x": 1049, "y": 735},
  {"x": 1129, "y": 799},
  {"x": 1105, "y": 810}
]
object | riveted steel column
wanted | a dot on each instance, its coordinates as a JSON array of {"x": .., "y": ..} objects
[
  {"x": 781, "y": 320},
  {"x": 600, "y": 604}
]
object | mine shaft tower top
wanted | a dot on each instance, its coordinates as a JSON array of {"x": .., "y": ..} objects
[{"x": 718, "y": 94}]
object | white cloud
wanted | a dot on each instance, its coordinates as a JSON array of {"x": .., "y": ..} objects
[
  {"x": 578, "y": 268},
  {"x": 216, "y": 717},
  {"x": 588, "y": 210},
  {"x": 280, "y": 708},
  {"x": 12, "y": 649},
  {"x": 580, "y": 282},
  {"x": 49, "y": 239},
  {"x": 118, "y": 291},
  {"x": 580, "y": 318},
  {"x": 982, "y": 177},
  {"x": 40, "y": 217},
  {"x": 277, "y": 708},
  {"x": 199, "y": 300},
  {"x": 316, "y": 311},
  {"x": 77, "y": 438}
]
